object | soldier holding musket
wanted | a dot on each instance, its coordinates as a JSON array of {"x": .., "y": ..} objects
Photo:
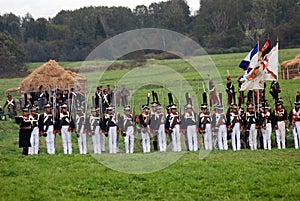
[
  {"x": 94, "y": 123},
  {"x": 275, "y": 90},
  {"x": 11, "y": 107},
  {"x": 189, "y": 126},
  {"x": 280, "y": 116},
  {"x": 126, "y": 125},
  {"x": 174, "y": 128},
  {"x": 98, "y": 97},
  {"x": 144, "y": 122},
  {"x": 35, "y": 138},
  {"x": 230, "y": 91},
  {"x": 266, "y": 126},
  {"x": 67, "y": 125},
  {"x": 233, "y": 124},
  {"x": 109, "y": 125},
  {"x": 205, "y": 126},
  {"x": 81, "y": 122},
  {"x": 167, "y": 122},
  {"x": 155, "y": 120},
  {"x": 46, "y": 128},
  {"x": 252, "y": 126},
  {"x": 219, "y": 125},
  {"x": 294, "y": 118},
  {"x": 161, "y": 135}
]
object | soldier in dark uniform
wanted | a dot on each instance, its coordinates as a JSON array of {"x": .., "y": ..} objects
[
  {"x": 98, "y": 97},
  {"x": 25, "y": 130},
  {"x": 230, "y": 91},
  {"x": 275, "y": 90}
]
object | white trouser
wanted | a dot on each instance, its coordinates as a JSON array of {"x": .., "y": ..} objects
[
  {"x": 191, "y": 133},
  {"x": 50, "y": 140},
  {"x": 222, "y": 138},
  {"x": 102, "y": 141},
  {"x": 66, "y": 137},
  {"x": 162, "y": 138},
  {"x": 253, "y": 137},
  {"x": 296, "y": 132},
  {"x": 34, "y": 141},
  {"x": 236, "y": 137},
  {"x": 82, "y": 142},
  {"x": 207, "y": 137},
  {"x": 267, "y": 136},
  {"x": 129, "y": 140},
  {"x": 96, "y": 138},
  {"x": 145, "y": 140},
  {"x": 112, "y": 139},
  {"x": 176, "y": 138},
  {"x": 280, "y": 135}
]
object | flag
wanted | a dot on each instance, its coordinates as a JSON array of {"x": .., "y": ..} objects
[
  {"x": 250, "y": 60},
  {"x": 253, "y": 80},
  {"x": 270, "y": 64},
  {"x": 265, "y": 49}
]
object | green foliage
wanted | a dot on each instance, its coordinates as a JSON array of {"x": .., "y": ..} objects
[
  {"x": 219, "y": 26},
  {"x": 12, "y": 56}
]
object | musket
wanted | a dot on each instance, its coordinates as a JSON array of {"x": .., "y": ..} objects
[
  {"x": 100, "y": 107},
  {"x": 54, "y": 106}
]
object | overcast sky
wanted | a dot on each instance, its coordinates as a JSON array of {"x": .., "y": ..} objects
[{"x": 49, "y": 8}]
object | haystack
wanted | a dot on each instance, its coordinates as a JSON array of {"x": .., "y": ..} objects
[
  {"x": 291, "y": 68},
  {"x": 50, "y": 75}
]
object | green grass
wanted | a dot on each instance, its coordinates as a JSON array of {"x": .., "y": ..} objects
[{"x": 223, "y": 175}]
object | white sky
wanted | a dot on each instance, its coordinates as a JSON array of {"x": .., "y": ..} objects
[{"x": 49, "y": 8}]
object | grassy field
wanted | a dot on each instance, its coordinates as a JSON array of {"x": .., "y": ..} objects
[{"x": 222, "y": 175}]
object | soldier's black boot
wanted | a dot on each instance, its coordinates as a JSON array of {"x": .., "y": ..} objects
[
  {"x": 25, "y": 151},
  {"x": 155, "y": 146}
]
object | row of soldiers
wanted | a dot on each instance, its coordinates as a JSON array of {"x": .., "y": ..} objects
[{"x": 154, "y": 125}]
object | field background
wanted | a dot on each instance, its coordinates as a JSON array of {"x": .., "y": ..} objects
[{"x": 223, "y": 175}]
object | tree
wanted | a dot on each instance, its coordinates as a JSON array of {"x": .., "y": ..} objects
[{"x": 12, "y": 56}]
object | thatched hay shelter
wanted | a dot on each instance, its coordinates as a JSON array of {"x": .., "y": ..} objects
[
  {"x": 51, "y": 75},
  {"x": 291, "y": 69}
]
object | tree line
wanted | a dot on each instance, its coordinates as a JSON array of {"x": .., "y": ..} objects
[{"x": 220, "y": 26}]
